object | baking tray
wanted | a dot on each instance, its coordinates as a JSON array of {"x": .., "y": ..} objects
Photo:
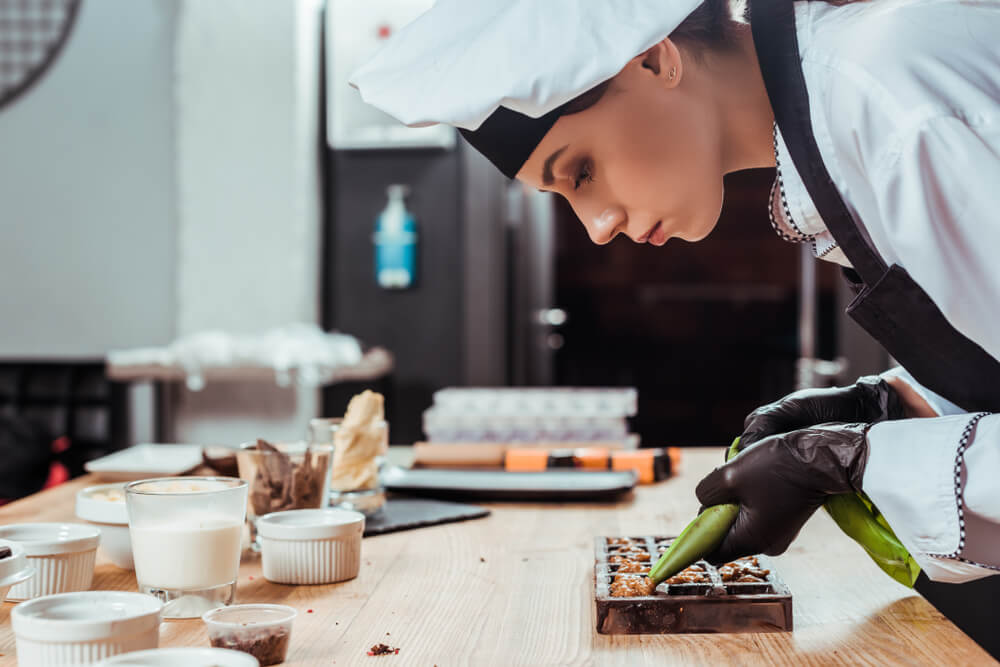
[
  {"x": 559, "y": 485},
  {"x": 715, "y": 606}
]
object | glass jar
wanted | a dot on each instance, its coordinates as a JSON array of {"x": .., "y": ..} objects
[
  {"x": 284, "y": 476},
  {"x": 368, "y": 497}
]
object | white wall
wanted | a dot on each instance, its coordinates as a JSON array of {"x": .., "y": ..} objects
[
  {"x": 247, "y": 119},
  {"x": 249, "y": 197},
  {"x": 87, "y": 205},
  {"x": 162, "y": 179}
]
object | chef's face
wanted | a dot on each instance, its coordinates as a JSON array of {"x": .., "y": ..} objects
[{"x": 644, "y": 161}]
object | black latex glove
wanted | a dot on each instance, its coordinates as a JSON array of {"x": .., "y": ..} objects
[
  {"x": 868, "y": 400},
  {"x": 780, "y": 481}
]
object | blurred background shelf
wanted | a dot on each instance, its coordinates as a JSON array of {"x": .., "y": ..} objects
[{"x": 376, "y": 363}]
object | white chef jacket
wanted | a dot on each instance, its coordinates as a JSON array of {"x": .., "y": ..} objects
[{"x": 905, "y": 107}]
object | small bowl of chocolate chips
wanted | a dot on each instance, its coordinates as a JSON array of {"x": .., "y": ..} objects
[{"x": 262, "y": 630}]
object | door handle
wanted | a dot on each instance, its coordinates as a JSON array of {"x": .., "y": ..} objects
[{"x": 551, "y": 317}]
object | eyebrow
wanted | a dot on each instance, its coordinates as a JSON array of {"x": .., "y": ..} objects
[{"x": 547, "y": 178}]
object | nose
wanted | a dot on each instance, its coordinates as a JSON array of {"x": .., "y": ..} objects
[{"x": 605, "y": 226}]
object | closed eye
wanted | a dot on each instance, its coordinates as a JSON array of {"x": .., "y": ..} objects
[{"x": 584, "y": 174}]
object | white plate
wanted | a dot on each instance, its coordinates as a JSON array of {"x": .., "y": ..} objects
[
  {"x": 144, "y": 461},
  {"x": 190, "y": 657}
]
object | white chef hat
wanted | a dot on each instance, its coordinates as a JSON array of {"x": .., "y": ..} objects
[{"x": 502, "y": 70}]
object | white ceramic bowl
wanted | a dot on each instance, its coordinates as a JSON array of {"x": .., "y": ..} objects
[
  {"x": 104, "y": 505},
  {"x": 188, "y": 657},
  {"x": 84, "y": 628},
  {"x": 318, "y": 546},
  {"x": 62, "y": 554},
  {"x": 14, "y": 569}
]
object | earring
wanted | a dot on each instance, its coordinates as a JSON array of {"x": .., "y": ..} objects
[{"x": 673, "y": 73}]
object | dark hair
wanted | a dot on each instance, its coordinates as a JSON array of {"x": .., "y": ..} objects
[{"x": 712, "y": 26}]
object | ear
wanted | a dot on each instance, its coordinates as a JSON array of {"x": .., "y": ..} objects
[{"x": 663, "y": 60}]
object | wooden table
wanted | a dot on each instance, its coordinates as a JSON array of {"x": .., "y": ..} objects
[{"x": 516, "y": 588}]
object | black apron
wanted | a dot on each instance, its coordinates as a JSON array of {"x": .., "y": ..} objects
[{"x": 889, "y": 305}]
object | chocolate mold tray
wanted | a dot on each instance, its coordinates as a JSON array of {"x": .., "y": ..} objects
[{"x": 711, "y": 606}]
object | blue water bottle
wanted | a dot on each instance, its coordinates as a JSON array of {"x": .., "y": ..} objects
[{"x": 396, "y": 242}]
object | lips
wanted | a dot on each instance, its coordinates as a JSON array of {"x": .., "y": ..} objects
[
  {"x": 655, "y": 235},
  {"x": 659, "y": 235}
]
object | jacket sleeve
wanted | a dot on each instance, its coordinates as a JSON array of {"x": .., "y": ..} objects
[
  {"x": 935, "y": 479},
  {"x": 941, "y": 405},
  {"x": 935, "y": 482}
]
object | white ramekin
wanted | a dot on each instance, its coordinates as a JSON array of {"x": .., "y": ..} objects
[
  {"x": 14, "y": 569},
  {"x": 188, "y": 657},
  {"x": 84, "y": 628},
  {"x": 62, "y": 554},
  {"x": 111, "y": 516},
  {"x": 316, "y": 546}
]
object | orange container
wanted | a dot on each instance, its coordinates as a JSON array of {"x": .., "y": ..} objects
[
  {"x": 526, "y": 460},
  {"x": 640, "y": 460},
  {"x": 591, "y": 458}
]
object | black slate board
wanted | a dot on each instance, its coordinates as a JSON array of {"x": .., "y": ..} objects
[{"x": 402, "y": 513}]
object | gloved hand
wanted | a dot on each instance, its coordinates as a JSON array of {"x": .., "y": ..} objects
[
  {"x": 780, "y": 481},
  {"x": 868, "y": 400}
]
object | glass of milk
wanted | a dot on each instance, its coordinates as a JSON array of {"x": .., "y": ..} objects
[{"x": 186, "y": 534}]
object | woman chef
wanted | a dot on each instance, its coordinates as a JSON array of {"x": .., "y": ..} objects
[{"x": 883, "y": 119}]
